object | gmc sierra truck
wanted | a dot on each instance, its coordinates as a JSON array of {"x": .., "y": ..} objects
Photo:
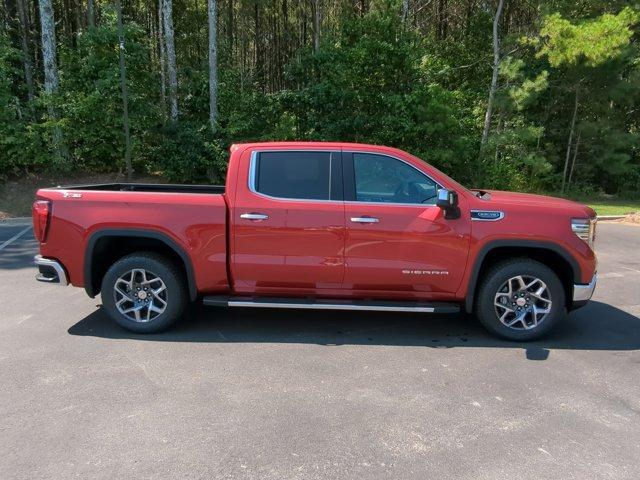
[{"x": 320, "y": 226}]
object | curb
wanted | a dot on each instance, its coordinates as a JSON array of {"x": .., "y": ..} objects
[
  {"x": 16, "y": 221},
  {"x": 610, "y": 217}
]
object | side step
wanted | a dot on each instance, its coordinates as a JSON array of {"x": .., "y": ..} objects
[{"x": 332, "y": 304}]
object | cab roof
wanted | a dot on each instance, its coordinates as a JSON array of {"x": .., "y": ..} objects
[{"x": 318, "y": 145}]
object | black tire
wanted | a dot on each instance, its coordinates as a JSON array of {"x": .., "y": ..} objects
[
  {"x": 175, "y": 293},
  {"x": 497, "y": 277}
]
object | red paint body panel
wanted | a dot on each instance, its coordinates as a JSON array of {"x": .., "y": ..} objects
[
  {"x": 534, "y": 218},
  {"x": 311, "y": 248},
  {"x": 299, "y": 248},
  {"x": 413, "y": 252},
  {"x": 196, "y": 222}
]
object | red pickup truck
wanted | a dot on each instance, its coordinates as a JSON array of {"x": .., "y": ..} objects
[{"x": 322, "y": 226}]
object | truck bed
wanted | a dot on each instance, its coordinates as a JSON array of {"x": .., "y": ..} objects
[
  {"x": 191, "y": 218},
  {"x": 147, "y": 187}
]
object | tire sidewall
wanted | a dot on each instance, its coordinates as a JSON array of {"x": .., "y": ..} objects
[
  {"x": 496, "y": 278},
  {"x": 159, "y": 268}
]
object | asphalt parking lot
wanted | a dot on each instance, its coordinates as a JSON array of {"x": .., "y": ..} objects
[{"x": 305, "y": 395}]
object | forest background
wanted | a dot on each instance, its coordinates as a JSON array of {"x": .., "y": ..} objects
[{"x": 527, "y": 95}]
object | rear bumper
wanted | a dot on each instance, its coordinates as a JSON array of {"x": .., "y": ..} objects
[
  {"x": 582, "y": 293},
  {"x": 50, "y": 271}
]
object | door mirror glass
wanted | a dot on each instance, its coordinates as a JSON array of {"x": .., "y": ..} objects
[
  {"x": 448, "y": 202},
  {"x": 447, "y": 198}
]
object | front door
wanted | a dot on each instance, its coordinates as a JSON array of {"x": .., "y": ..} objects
[
  {"x": 398, "y": 243},
  {"x": 288, "y": 223}
]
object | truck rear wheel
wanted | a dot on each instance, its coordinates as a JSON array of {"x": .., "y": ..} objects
[
  {"x": 144, "y": 292},
  {"x": 520, "y": 300}
]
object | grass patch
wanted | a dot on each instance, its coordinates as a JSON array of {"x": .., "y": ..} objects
[{"x": 613, "y": 207}]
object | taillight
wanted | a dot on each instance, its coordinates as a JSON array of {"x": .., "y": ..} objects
[{"x": 41, "y": 211}]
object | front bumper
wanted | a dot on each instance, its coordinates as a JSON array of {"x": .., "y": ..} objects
[
  {"x": 50, "y": 271},
  {"x": 582, "y": 293}
]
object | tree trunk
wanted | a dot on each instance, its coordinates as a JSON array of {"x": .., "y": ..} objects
[
  {"x": 405, "y": 11},
  {"x": 571, "y": 131},
  {"x": 316, "y": 26},
  {"x": 49, "y": 59},
  {"x": 213, "y": 65},
  {"x": 167, "y": 16},
  {"x": 441, "y": 32},
  {"x": 9, "y": 21},
  {"x": 494, "y": 76},
  {"x": 575, "y": 156},
  {"x": 125, "y": 95},
  {"x": 91, "y": 14},
  {"x": 67, "y": 28},
  {"x": 48, "y": 32},
  {"x": 152, "y": 29},
  {"x": 77, "y": 8},
  {"x": 163, "y": 58},
  {"x": 498, "y": 130},
  {"x": 230, "y": 30},
  {"x": 37, "y": 52},
  {"x": 24, "y": 30},
  {"x": 258, "y": 45},
  {"x": 197, "y": 33}
]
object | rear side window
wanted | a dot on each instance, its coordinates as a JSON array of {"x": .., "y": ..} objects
[{"x": 301, "y": 175}]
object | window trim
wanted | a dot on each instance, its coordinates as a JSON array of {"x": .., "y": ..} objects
[
  {"x": 253, "y": 163},
  {"x": 344, "y": 163},
  {"x": 352, "y": 166}
]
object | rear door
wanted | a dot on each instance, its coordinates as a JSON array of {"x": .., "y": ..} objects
[
  {"x": 398, "y": 243},
  {"x": 288, "y": 222}
]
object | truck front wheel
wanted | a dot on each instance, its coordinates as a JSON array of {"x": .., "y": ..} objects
[
  {"x": 143, "y": 292},
  {"x": 520, "y": 300}
]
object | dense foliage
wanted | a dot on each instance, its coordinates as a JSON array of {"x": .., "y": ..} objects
[{"x": 567, "y": 104}]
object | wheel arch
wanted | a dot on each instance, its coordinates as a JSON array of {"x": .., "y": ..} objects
[
  {"x": 548, "y": 253},
  {"x": 108, "y": 245}
]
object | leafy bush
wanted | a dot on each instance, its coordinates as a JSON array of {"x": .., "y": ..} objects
[
  {"x": 182, "y": 153},
  {"x": 374, "y": 79},
  {"x": 16, "y": 141}
]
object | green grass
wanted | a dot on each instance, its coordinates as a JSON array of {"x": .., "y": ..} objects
[{"x": 613, "y": 207}]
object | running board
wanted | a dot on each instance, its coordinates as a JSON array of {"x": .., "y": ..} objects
[{"x": 333, "y": 304}]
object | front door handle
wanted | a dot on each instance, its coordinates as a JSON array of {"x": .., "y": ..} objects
[
  {"x": 254, "y": 216},
  {"x": 365, "y": 219}
]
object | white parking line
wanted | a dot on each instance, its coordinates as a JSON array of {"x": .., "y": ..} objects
[
  {"x": 15, "y": 237},
  {"x": 610, "y": 275},
  {"x": 630, "y": 269}
]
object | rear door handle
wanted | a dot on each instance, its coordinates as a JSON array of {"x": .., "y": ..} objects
[
  {"x": 254, "y": 216},
  {"x": 365, "y": 219}
]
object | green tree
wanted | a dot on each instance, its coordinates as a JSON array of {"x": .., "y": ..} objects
[{"x": 577, "y": 50}]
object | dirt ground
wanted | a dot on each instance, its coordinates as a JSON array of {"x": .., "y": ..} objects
[
  {"x": 633, "y": 218},
  {"x": 17, "y": 195}
]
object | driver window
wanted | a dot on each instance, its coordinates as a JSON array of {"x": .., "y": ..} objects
[{"x": 388, "y": 180}]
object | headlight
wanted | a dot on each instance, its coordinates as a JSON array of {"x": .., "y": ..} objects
[{"x": 585, "y": 228}]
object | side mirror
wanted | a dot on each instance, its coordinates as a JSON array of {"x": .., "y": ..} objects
[{"x": 448, "y": 202}]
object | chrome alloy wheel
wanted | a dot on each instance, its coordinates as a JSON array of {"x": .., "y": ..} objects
[
  {"x": 140, "y": 295},
  {"x": 522, "y": 302}
]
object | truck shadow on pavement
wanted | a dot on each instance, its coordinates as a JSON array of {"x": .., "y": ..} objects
[
  {"x": 19, "y": 254},
  {"x": 597, "y": 326}
]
